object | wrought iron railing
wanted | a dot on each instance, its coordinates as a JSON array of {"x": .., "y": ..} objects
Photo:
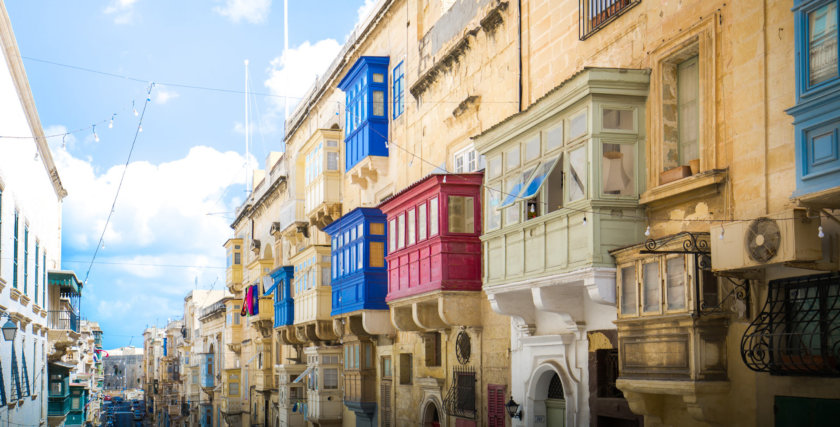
[
  {"x": 596, "y": 14},
  {"x": 63, "y": 319},
  {"x": 798, "y": 330},
  {"x": 460, "y": 399}
]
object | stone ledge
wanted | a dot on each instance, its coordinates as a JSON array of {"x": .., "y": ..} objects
[
  {"x": 697, "y": 185},
  {"x": 24, "y": 300},
  {"x": 14, "y": 294}
]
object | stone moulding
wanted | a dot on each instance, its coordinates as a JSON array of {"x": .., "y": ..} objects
[{"x": 491, "y": 20}]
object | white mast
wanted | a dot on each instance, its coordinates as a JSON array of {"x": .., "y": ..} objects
[
  {"x": 286, "y": 51},
  {"x": 247, "y": 147}
]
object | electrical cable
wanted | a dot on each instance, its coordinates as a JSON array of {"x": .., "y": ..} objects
[{"x": 122, "y": 178}]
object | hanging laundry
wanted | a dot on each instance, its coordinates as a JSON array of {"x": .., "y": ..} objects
[
  {"x": 255, "y": 294},
  {"x": 249, "y": 300}
]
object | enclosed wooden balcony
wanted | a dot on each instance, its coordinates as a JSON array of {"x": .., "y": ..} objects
[
  {"x": 323, "y": 389},
  {"x": 291, "y": 392},
  {"x": 312, "y": 294},
  {"x": 233, "y": 271},
  {"x": 323, "y": 177}
]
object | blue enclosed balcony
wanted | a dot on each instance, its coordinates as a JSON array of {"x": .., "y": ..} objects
[
  {"x": 817, "y": 111},
  {"x": 284, "y": 304},
  {"x": 207, "y": 371},
  {"x": 366, "y": 118},
  {"x": 359, "y": 274}
]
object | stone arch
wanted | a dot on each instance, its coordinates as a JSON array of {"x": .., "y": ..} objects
[
  {"x": 537, "y": 388},
  {"x": 431, "y": 406}
]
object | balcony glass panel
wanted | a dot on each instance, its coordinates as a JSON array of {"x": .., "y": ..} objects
[
  {"x": 651, "y": 287},
  {"x": 618, "y": 169},
  {"x": 822, "y": 43},
  {"x": 577, "y": 174}
]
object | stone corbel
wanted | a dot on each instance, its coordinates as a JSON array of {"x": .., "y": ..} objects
[
  {"x": 460, "y": 309},
  {"x": 324, "y": 331},
  {"x": 426, "y": 316},
  {"x": 516, "y": 304},
  {"x": 601, "y": 286},
  {"x": 565, "y": 303},
  {"x": 377, "y": 322},
  {"x": 403, "y": 319}
]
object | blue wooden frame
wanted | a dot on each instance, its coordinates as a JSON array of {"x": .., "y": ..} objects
[
  {"x": 816, "y": 114},
  {"x": 355, "y": 288},
  {"x": 365, "y": 134},
  {"x": 284, "y": 304},
  {"x": 398, "y": 90}
]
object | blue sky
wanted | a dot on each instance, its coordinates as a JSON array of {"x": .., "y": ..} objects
[{"x": 189, "y": 160}]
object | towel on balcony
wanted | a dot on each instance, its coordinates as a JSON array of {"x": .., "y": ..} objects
[
  {"x": 249, "y": 300},
  {"x": 255, "y": 304}
]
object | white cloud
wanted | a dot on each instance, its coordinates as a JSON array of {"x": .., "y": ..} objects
[
  {"x": 122, "y": 10},
  {"x": 363, "y": 12},
  {"x": 253, "y": 11},
  {"x": 294, "y": 72},
  {"x": 162, "y": 95}
]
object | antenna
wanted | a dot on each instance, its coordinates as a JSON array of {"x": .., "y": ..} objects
[
  {"x": 285, "y": 51},
  {"x": 247, "y": 147}
]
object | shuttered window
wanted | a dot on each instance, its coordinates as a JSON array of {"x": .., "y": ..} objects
[{"x": 496, "y": 405}]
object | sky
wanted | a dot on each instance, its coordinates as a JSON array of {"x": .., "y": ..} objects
[{"x": 91, "y": 62}]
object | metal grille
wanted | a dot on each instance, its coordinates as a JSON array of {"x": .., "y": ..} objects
[
  {"x": 607, "y": 361},
  {"x": 555, "y": 387},
  {"x": 798, "y": 330},
  {"x": 463, "y": 347},
  {"x": 460, "y": 400},
  {"x": 385, "y": 399},
  {"x": 596, "y": 14}
]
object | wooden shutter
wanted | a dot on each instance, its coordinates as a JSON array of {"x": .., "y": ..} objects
[
  {"x": 496, "y": 405},
  {"x": 385, "y": 403}
]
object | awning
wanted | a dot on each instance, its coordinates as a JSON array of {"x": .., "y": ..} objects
[
  {"x": 303, "y": 375},
  {"x": 66, "y": 280}
]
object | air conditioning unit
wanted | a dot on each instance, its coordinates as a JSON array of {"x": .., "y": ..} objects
[{"x": 787, "y": 236}]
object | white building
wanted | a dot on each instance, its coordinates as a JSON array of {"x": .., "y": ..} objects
[{"x": 30, "y": 239}]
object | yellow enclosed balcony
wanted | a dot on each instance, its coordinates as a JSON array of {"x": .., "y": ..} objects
[
  {"x": 312, "y": 294},
  {"x": 233, "y": 325},
  {"x": 323, "y": 177},
  {"x": 233, "y": 278}
]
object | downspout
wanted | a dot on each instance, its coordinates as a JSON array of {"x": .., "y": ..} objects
[{"x": 519, "y": 50}]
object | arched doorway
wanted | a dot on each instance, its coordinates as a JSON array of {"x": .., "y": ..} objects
[
  {"x": 548, "y": 398},
  {"x": 431, "y": 416}
]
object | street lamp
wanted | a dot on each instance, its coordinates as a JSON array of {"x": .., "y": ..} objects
[
  {"x": 513, "y": 409},
  {"x": 9, "y": 331}
]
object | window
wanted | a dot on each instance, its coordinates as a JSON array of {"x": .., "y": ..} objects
[
  {"x": 675, "y": 283},
  {"x": 577, "y": 125},
  {"x": 512, "y": 159},
  {"x": 412, "y": 237},
  {"x": 421, "y": 224},
  {"x": 397, "y": 90},
  {"x": 496, "y": 413},
  {"x": 376, "y": 228},
  {"x": 688, "y": 113},
  {"x": 651, "y": 287},
  {"x": 461, "y": 214},
  {"x": 37, "y": 249},
  {"x": 15, "y": 252},
  {"x": 468, "y": 160},
  {"x": 25, "y": 258},
  {"x": 628, "y": 290},
  {"x": 822, "y": 44},
  {"x": 359, "y": 261},
  {"x": 330, "y": 378},
  {"x": 386, "y": 367},
  {"x": 617, "y": 119},
  {"x": 494, "y": 167},
  {"x": 433, "y": 217},
  {"x": 492, "y": 199},
  {"x": 596, "y": 14},
  {"x": 377, "y": 254},
  {"x": 554, "y": 137},
  {"x": 405, "y": 368},
  {"x": 392, "y": 234},
  {"x": 332, "y": 161},
  {"x": 401, "y": 231},
  {"x": 577, "y": 174},
  {"x": 432, "y": 347},
  {"x": 378, "y": 103},
  {"x": 618, "y": 169}
]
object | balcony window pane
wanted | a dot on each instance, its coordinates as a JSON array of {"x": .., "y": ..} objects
[
  {"x": 461, "y": 214},
  {"x": 617, "y": 119},
  {"x": 392, "y": 235},
  {"x": 554, "y": 138},
  {"x": 512, "y": 158},
  {"x": 378, "y": 103},
  {"x": 577, "y": 174},
  {"x": 377, "y": 228},
  {"x": 532, "y": 149},
  {"x": 411, "y": 224},
  {"x": 577, "y": 125},
  {"x": 378, "y": 77},
  {"x": 628, "y": 290},
  {"x": 352, "y": 265},
  {"x": 492, "y": 200},
  {"x": 675, "y": 274},
  {"x": 515, "y": 184},
  {"x": 360, "y": 260},
  {"x": 688, "y": 93},
  {"x": 494, "y": 167},
  {"x": 332, "y": 161},
  {"x": 433, "y": 217},
  {"x": 401, "y": 231},
  {"x": 325, "y": 276},
  {"x": 536, "y": 181},
  {"x": 822, "y": 43},
  {"x": 330, "y": 378},
  {"x": 377, "y": 254},
  {"x": 360, "y": 229},
  {"x": 618, "y": 169},
  {"x": 421, "y": 223},
  {"x": 652, "y": 287}
]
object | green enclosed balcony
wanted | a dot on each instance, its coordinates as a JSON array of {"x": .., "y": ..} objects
[{"x": 563, "y": 180}]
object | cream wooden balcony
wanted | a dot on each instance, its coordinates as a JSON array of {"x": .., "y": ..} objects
[
  {"x": 233, "y": 271},
  {"x": 323, "y": 199},
  {"x": 313, "y": 295},
  {"x": 290, "y": 393}
]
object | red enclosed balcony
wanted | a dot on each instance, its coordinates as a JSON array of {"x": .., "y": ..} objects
[{"x": 433, "y": 243}]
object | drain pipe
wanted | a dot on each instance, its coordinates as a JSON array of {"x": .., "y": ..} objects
[{"x": 519, "y": 50}]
